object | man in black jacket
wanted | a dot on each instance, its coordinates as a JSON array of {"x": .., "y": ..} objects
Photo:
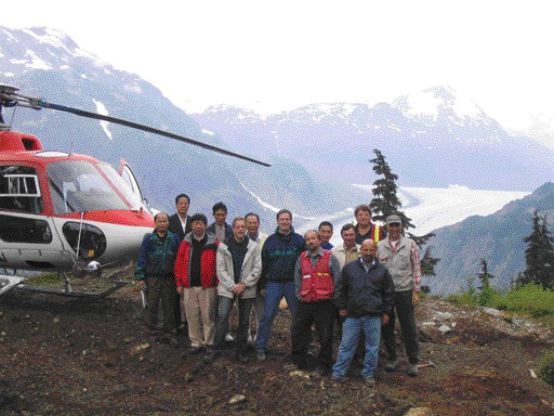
[
  {"x": 179, "y": 223},
  {"x": 364, "y": 297}
]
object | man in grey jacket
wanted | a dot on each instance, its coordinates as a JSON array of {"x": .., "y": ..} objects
[
  {"x": 400, "y": 255},
  {"x": 239, "y": 266}
]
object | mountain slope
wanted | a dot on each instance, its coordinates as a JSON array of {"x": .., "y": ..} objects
[{"x": 497, "y": 238}]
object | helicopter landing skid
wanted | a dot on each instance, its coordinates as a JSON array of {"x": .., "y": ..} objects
[
  {"x": 8, "y": 282},
  {"x": 15, "y": 283}
]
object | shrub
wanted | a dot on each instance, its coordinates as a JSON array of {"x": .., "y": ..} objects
[{"x": 546, "y": 368}]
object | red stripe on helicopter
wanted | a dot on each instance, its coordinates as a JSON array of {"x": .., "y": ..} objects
[{"x": 130, "y": 218}]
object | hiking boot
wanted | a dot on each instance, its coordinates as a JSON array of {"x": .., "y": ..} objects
[
  {"x": 260, "y": 355},
  {"x": 195, "y": 350},
  {"x": 339, "y": 379},
  {"x": 391, "y": 365},
  {"x": 243, "y": 358},
  {"x": 210, "y": 355},
  {"x": 369, "y": 381},
  {"x": 413, "y": 371}
]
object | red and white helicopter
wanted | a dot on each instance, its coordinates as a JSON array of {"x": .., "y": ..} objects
[{"x": 67, "y": 212}]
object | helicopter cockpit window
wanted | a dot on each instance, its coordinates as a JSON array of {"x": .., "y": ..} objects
[
  {"x": 132, "y": 195},
  {"x": 77, "y": 186},
  {"x": 19, "y": 189}
]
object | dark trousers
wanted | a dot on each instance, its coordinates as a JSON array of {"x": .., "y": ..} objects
[
  {"x": 406, "y": 316},
  {"x": 177, "y": 311},
  {"x": 161, "y": 289},
  {"x": 224, "y": 306},
  {"x": 323, "y": 315}
]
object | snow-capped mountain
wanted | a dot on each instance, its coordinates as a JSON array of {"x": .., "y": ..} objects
[
  {"x": 49, "y": 64},
  {"x": 431, "y": 138}
]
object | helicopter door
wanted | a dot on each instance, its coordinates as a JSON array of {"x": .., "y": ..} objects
[
  {"x": 130, "y": 179},
  {"x": 27, "y": 235}
]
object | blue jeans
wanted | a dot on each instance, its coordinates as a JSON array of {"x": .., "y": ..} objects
[
  {"x": 224, "y": 307},
  {"x": 274, "y": 292},
  {"x": 351, "y": 331}
]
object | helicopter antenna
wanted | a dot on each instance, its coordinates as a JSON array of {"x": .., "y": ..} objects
[
  {"x": 10, "y": 97},
  {"x": 13, "y": 115}
]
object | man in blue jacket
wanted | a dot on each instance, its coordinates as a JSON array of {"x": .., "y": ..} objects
[
  {"x": 154, "y": 270},
  {"x": 279, "y": 255},
  {"x": 364, "y": 297}
]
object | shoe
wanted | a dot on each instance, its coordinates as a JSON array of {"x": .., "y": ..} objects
[
  {"x": 210, "y": 356},
  {"x": 413, "y": 371},
  {"x": 339, "y": 379},
  {"x": 369, "y": 381},
  {"x": 243, "y": 358},
  {"x": 229, "y": 337},
  {"x": 195, "y": 350},
  {"x": 174, "y": 342},
  {"x": 260, "y": 355},
  {"x": 391, "y": 365}
]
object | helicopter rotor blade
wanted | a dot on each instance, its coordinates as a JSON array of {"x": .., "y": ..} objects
[
  {"x": 9, "y": 97},
  {"x": 143, "y": 127}
]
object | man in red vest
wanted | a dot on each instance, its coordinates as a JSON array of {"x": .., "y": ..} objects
[{"x": 315, "y": 274}]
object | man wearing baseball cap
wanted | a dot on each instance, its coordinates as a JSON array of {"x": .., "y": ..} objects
[{"x": 400, "y": 255}]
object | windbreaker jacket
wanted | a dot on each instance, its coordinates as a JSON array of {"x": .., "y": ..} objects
[
  {"x": 249, "y": 273},
  {"x": 403, "y": 263},
  {"x": 156, "y": 256},
  {"x": 364, "y": 293},
  {"x": 208, "y": 276},
  {"x": 279, "y": 256}
]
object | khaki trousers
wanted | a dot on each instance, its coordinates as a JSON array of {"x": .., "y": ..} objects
[{"x": 199, "y": 305}]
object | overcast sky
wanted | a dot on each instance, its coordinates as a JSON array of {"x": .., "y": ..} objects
[{"x": 274, "y": 55}]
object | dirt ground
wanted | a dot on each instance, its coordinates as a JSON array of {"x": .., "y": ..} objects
[{"x": 62, "y": 356}]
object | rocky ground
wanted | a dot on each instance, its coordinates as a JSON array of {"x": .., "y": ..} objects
[{"x": 78, "y": 357}]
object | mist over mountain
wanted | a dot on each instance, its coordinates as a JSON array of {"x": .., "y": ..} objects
[
  {"x": 46, "y": 63},
  {"x": 432, "y": 138},
  {"x": 497, "y": 238}
]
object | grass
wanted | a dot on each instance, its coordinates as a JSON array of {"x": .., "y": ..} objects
[
  {"x": 45, "y": 279},
  {"x": 531, "y": 300}
]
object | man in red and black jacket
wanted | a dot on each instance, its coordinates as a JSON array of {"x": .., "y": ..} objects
[
  {"x": 196, "y": 281},
  {"x": 315, "y": 274}
]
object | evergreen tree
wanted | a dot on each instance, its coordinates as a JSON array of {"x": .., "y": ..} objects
[
  {"x": 485, "y": 277},
  {"x": 386, "y": 202},
  {"x": 539, "y": 255}
]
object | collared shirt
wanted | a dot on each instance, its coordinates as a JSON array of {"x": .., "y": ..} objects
[
  {"x": 365, "y": 265},
  {"x": 351, "y": 254},
  {"x": 183, "y": 222}
]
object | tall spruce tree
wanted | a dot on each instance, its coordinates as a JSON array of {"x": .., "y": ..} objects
[
  {"x": 539, "y": 255},
  {"x": 386, "y": 202}
]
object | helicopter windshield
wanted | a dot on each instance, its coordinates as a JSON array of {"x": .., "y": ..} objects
[{"x": 78, "y": 186}]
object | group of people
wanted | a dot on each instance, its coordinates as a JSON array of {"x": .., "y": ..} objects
[{"x": 197, "y": 272}]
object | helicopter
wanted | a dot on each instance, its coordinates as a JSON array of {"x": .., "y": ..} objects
[{"x": 64, "y": 212}]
